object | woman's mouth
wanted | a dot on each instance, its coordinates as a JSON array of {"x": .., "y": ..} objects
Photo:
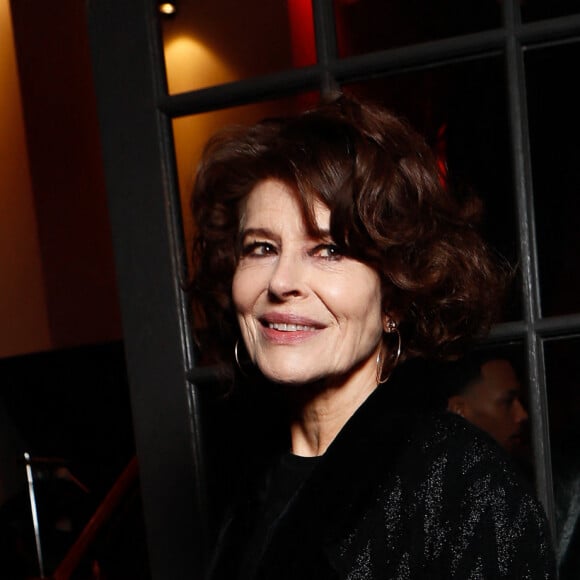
[
  {"x": 284, "y": 327},
  {"x": 288, "y": 329}
]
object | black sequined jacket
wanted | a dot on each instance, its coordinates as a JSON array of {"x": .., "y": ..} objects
[{"x": 398, "y": 496}]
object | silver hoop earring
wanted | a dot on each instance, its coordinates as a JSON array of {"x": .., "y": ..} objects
[
  {"x": 379, "y": 367},
  {"x": 391, "y": 328},
  {"x": 398, "y": 355},
  {"x": 236, "y": 357}
]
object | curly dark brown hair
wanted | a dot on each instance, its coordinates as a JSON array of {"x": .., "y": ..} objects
[{"x": 390, "y": 209}]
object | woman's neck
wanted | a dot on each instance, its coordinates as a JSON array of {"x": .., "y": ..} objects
[{"x": 317, "y": 419}]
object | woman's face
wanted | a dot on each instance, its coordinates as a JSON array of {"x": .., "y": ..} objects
[{"x": 306, "y": 313}]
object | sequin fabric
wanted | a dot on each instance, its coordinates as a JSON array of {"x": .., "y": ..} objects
[{"x": 454, "y": 508}]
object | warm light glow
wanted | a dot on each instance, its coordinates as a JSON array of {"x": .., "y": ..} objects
[
  {"x": 23, "y": 304},
  {"x": 167, "y": 8},
  {"x": 192, "y": 65}
]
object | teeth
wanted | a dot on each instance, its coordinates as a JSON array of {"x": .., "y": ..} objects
[{"x": 288, "y": 327}]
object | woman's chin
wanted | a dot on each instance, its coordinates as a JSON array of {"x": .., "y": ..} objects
[
  {"x": 288, "y": 375},
  {"x": 294, "y": 379}
]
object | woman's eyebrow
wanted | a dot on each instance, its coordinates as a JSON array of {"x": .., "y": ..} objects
[
  {"x": 255, "y": 232},
  {"x": 259, "y": 232},
  {"x": 324, "y": 234}
]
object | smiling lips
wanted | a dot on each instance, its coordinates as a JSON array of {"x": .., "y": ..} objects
[{"x": 285, "y": 328}]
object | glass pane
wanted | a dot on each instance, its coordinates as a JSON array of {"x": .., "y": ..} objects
[
  {"x": 369, "y": 25},
  {"x": 538, "y": 9},
  {"x": 462, "y": 111},
  {"x": 191, "y": 133},
  {"x": 563, "y": 378},
  {"x": 210, "y": 43},
  {"x": 554, "y": 128}
]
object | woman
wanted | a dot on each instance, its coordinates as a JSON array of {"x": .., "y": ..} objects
[{"x": 330, "y": 256}]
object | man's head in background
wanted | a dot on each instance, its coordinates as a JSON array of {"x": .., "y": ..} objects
[{"x": 485, "y": 390}]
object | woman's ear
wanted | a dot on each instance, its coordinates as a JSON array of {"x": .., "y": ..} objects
[{"x": 389, "y": 323}]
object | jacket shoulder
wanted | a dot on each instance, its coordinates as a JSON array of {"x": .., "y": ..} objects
[{"x": 454, "y": 505}]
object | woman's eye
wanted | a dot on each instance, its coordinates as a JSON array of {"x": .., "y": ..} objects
[
  {"x": 328, "y": 251},
  {"x": 258, "y": 249}
]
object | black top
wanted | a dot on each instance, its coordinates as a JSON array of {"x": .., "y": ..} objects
[
  {"x": 397, "y": 495},
  {"x": 288, "y": 474}
]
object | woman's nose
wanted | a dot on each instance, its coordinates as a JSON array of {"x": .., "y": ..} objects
[{"x": 287, "y": 277}]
